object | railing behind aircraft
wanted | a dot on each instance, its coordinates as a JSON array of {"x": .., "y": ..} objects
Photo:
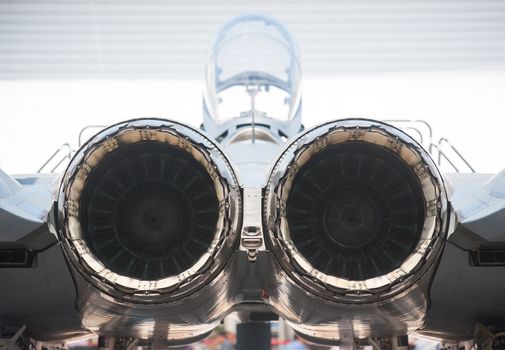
[
  {"x": 442, "y": 151},
  {"x": 419, "y": 129},
  {"x": 83, "y": 137},
  {"x": 441, "y": 154},
  {"x": 57, "y": 160}
]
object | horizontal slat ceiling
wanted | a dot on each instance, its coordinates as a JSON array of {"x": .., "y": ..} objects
[{"x": 169, "y": 39}]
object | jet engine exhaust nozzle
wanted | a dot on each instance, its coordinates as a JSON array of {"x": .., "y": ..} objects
[
  {"x": 357, "y": 206},
  {"x": 143, "y": 205}
]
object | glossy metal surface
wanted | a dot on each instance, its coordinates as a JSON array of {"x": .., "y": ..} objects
[
  {"x": 463, "y": 294},
  {"x": 316, "y": 305},
  {"x": 324, "y": 306},
  {"x": 272, "y": 282},
  {"x": 41, "y": 297},
  {"x": 253, "y": 264},
  {"x": 186, "y": 305}
]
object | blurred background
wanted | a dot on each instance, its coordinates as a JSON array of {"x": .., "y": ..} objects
[{"x": 67, "y": 64}]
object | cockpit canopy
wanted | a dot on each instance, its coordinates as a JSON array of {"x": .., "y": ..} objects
[{"x": 253, "y": 75}]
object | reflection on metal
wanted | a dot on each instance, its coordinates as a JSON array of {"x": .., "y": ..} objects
[
  {"x": 390, "y": 140},
  {"x": 254, "y": 135},
  {"x": 177, "y": 307},
  {"x": 112, "y": 140},
  {"x": 238, "y": 271},
  {"x": 63, "y": 153},
  {"x": 251, "y": 240},
  {"x": 323, "y": 306}
]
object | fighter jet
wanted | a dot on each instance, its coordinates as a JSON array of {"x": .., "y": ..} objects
[{"x": 157, "y": 230}]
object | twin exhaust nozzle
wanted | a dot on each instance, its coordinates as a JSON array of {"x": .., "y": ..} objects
[
  {"x": 147, "y": 207},
  {"x": 151, "y": 208}
]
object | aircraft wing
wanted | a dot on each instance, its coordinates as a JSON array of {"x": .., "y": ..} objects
[
  {"x": 468, "y": 289},
  {"x": 37, "y": 289}
]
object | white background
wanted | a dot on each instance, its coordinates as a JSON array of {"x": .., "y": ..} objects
[{"x": 467, "y": 107}]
